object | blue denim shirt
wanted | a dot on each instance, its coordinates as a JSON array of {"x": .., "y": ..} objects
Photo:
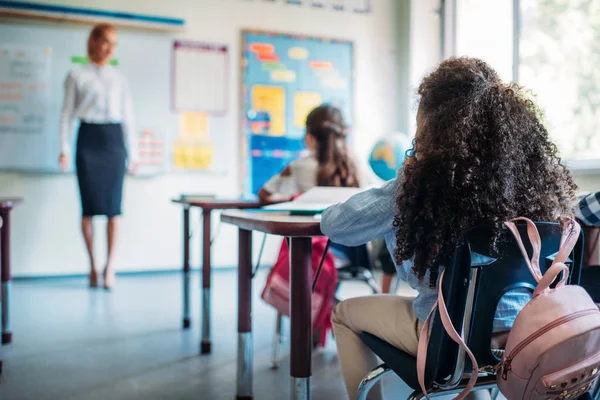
[{"x": 370, "y": 215}]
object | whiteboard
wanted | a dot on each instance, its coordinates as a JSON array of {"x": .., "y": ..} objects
[{"x": 32, "y": 144}]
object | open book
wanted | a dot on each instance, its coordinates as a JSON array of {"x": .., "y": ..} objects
[{"x": 315, "y": 200}]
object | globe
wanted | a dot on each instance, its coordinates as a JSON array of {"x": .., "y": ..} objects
[{"x": 388, "y": 155}]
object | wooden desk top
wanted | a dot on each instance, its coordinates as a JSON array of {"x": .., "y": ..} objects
[
  {"x": 275, "y": 223},
  {"x": 10, "y": 202},
  {"x": 216, "y": 203}
]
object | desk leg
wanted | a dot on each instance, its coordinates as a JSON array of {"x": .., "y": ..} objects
[
  {"x": 187, "y": 322},
  {"x": 301, "y": 332},
  {"x": 0, "y": 295},
  {"x": 6, "y": 279},
  {"x": 205, "y": 344},
  {"x": 244, "y": 358}
]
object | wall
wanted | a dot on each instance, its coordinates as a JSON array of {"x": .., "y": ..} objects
[
  {"x": 425, "y": 48},
  {"x": 46, "y": 238}
]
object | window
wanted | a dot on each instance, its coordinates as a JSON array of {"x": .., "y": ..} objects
[
  {"x": 484, "y": 29},
  {"x": 560, "y": 63}
]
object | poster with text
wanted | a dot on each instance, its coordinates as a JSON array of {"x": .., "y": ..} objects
[{"x": 284, "y": 77}]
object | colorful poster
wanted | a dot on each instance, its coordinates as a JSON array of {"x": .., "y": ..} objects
[
  {"x": 193, "y": 125},
  {"x": 304, "y": 102},
  {"x": 193, "y": 154},
  {"x": 283, "y": 78},
  {"x": 151, "y": 153},
  {"x": 271, "y": 100},
  {"x": 193, "y": 149}
]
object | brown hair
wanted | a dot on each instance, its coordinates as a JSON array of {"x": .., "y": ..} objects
[
  {"x": 96, "y": 33},
  {"x": 326, "y": 124},
  {"x": 481, "y": 156}
]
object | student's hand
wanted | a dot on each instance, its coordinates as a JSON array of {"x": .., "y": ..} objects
[
  {"x": 63, "y": 161},
  {"x": 267, "y": 197},
  {"x": 132, "y": 168}
]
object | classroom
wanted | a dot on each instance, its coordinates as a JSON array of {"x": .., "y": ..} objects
[{"x": 304, "y": 199}]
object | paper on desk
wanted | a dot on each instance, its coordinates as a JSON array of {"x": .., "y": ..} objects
[{"x": 316, "y": 199}]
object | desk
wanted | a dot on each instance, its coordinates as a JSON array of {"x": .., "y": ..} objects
[
  {"x": 207, "y": 205},
  {"x": 6, "y": 206},
  {"x": 0, "y": 303},
  {"x": 300, "y": 230}
]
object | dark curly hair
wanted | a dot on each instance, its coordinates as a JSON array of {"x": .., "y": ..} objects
[{"x": 481, "y": 155}]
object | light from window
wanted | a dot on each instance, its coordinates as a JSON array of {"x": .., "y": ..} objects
[
  {"x": 560, "y": 63},
  {"x": 484, "y": 29}
]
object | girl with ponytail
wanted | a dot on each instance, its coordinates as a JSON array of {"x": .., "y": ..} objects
[{"x": 328, "y": 164}]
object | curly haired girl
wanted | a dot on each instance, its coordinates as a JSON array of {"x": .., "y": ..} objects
[{"x": 481, "y": 156}]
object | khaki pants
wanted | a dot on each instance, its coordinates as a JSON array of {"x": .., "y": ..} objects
[{"x": 388, "y": 317}]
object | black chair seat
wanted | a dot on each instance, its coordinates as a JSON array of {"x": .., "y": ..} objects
[{"x": 404, "y": 365}]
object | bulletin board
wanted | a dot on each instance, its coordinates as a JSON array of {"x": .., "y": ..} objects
[{"x": 283, "y": 78}]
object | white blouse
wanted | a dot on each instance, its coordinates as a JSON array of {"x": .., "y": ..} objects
[
  {"x": 98, "y": 95},
  {"x": 303, "y": 176}
]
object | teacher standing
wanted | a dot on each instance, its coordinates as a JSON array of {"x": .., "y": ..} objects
[{"x": 98, "y": 95}]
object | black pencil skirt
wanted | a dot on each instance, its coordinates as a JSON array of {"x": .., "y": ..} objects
[{"x": 100, "y": 161}]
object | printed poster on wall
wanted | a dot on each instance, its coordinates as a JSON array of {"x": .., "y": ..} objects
[
  {"x": 24, "y": 90},
  {"x": 337, "y": 5},
  {"x": 193, "y": 148},
  {"x": 284, "y": 78},
  {"x": 362, "y": 6}
]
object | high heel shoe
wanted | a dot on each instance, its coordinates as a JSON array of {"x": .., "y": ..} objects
[
  {"x": 93, "y": 278},
  {"x": 109, "y": 278}
]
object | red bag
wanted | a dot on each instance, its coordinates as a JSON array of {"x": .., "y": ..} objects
[{"x": 277, "y": 289}]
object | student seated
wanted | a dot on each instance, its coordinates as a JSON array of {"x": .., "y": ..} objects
[
  {"x": 328, "y": 162},
  {"x": 481, "y": 156}
]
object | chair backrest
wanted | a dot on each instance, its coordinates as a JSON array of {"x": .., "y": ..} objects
[
  {"x": 590, "y": 250},
  {"x": 358, "y": 255},
  {"x": 474, "y": 281}
]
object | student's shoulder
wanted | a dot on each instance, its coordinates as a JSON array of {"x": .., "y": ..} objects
[{"x": 305, "y": 161}]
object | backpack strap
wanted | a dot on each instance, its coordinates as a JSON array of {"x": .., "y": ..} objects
[
  {"x": 534, "y": 238},
  {"x": 424, "y": 341},
  {"x": 570, "y": 234}
]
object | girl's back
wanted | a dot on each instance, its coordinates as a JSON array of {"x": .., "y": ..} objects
[{"x": 328, "y": 162}]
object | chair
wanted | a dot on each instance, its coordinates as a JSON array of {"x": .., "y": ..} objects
[
  {"x": 358, "y": 268},
  {"x": 471, "y": 291},
  {"x": 590, "y": 274}
]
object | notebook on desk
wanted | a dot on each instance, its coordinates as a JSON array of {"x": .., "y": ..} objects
[
  {"x": 197, "y": 197},
  {"x": 315, "y": 201}
]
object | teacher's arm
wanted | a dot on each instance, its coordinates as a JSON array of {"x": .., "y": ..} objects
[
  {"x": 129, "y": 129},
  {"x": 66, "y": 119}
]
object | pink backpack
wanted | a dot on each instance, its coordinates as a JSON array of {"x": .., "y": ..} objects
[{"x": 553, "y": 349}]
